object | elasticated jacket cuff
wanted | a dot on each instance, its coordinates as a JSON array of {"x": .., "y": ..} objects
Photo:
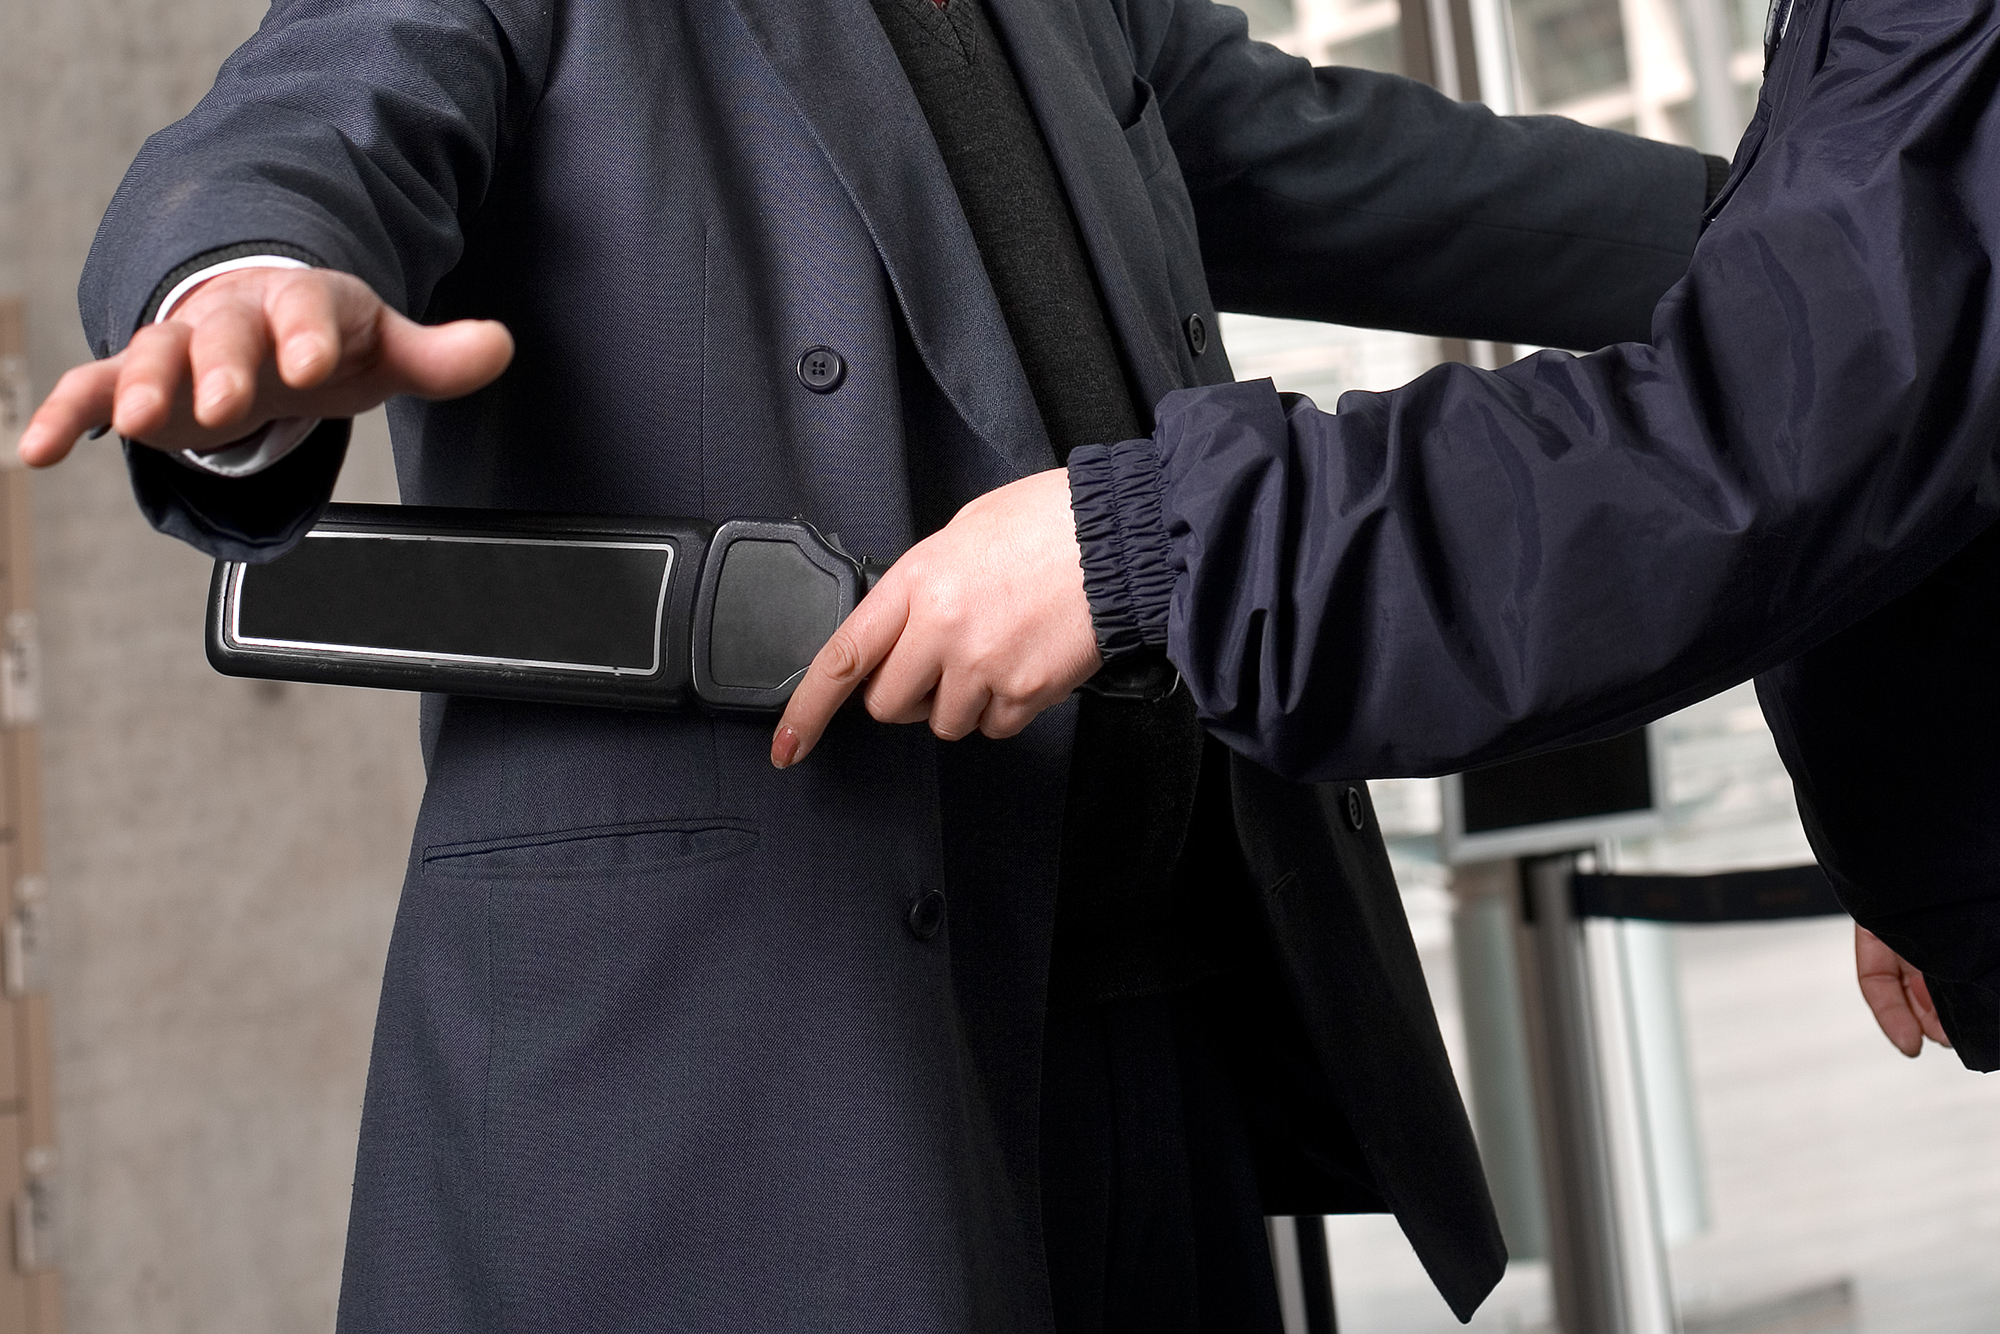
[{"x": 1114, "y": 494}]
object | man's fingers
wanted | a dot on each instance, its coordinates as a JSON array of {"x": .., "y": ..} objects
[
  {"x": 81, "y": 401},
  {"x": 444, "y": 360},
  {"x": 225, "y": 353},
  {"x": 861, "y": 642},
  {"x": 303, "y": 315},
  {"x": 249, "y": 346},
  {"x": 152, "y": 378}
]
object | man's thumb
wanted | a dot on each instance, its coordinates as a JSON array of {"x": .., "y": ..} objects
[{"x": 445, "y": 360}]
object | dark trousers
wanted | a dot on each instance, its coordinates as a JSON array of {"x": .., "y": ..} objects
[{"x": 1150, "y": 1207}]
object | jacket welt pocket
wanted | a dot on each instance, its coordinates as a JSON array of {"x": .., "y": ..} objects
[
  {"x": 1146, "y": 134},
  {"x": 596, "y": 850}
]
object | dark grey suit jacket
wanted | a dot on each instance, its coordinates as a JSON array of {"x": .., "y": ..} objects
[{"x": 657, "y": 1046}]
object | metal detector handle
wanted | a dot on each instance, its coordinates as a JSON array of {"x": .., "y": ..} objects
[{"x": 772, "y": 593}]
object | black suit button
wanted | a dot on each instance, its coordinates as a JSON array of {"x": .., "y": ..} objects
[
  {"x": 1357, "y": 815},
  {"x": 821, "y": 369},
  {"x": 927, "y": 915},
  {"x": 1197, "y": 333}
]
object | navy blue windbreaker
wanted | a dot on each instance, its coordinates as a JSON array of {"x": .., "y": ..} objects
[{"x": 1487, "y": 562}]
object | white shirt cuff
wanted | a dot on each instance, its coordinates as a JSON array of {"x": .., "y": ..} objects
[
  {"x": 200, "y": 276},
  {"x": 270, "y": 442},
  {"x": 256, "y": 451}
]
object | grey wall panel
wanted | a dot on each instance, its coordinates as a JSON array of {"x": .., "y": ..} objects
[{"x": 224, "y": 855}]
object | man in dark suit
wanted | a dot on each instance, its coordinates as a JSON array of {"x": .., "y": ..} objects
[{"x": 992, "y": 1036}]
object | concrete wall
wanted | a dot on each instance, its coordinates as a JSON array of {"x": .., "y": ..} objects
[{"x": 224, "y": 856}]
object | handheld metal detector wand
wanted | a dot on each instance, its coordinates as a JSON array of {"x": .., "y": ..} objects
[{"x": 635, "y": 613}]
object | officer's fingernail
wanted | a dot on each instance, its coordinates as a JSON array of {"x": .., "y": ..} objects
[{"x": 785, "y": 748}]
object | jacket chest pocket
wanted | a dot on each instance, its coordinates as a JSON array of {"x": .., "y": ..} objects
[
  {"x": 1146, "y": 134},
  {"x": 1198, "y": 351}
]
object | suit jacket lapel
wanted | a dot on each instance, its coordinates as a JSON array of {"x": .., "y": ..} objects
[
  {"x": 834, "y": 59},
  {"x": 1051, "y": 55}
]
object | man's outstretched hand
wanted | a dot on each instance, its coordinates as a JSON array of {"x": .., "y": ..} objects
[
  {"x": 1897, "y": 994},
  {"x": 253, "y": 346},
  {"x": 977, "y": 628}
]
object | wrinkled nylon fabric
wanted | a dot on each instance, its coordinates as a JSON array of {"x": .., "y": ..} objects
[{"x": 1485, "y": 561}]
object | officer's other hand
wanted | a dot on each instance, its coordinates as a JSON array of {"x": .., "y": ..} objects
[
  {"x": 1897, "y": 994},
  {"x": 249, "y": 347},
  {"x": 977, "y": 628}
]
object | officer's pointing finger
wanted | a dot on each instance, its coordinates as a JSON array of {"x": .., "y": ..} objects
[{"x": 861, "y": 642}]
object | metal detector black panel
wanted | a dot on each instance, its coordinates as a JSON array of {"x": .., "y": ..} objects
[
  {"x": 586, "y": 607},
  {"x": 559, "y": 608}
]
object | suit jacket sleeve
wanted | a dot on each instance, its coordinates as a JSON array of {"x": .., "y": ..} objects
[
  {"x": 1483, "y": 563},
  {"x": 1369, "y": 199},
  {"x": 358, "y": 133}
]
